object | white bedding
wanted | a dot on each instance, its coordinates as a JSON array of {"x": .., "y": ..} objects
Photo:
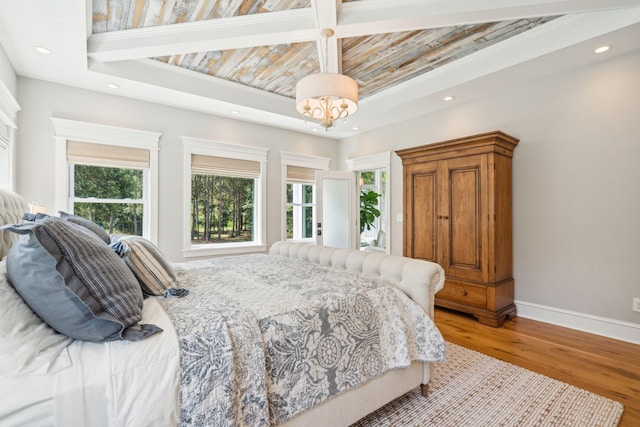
[
  {"x": 27, "y": 401},
  {"x": 102, "y": 369}
]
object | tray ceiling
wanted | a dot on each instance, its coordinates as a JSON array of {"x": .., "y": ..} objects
[{"x": 375, "y": 61}]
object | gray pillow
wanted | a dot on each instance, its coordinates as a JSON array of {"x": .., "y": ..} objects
[
  {"x": 75, "y": 283},
  {"x": 99, "y": 231}
]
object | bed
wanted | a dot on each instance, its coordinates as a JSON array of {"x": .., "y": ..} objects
[{"x": 302, "y": 336}]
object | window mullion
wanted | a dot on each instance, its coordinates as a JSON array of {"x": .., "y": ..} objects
[{"x": 99, "y": 200}]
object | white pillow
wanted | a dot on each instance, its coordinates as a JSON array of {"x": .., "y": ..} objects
[{"x": 28, "y": 346}]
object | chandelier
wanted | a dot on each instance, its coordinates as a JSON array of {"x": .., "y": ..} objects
[{"x": 326, "y": 97}]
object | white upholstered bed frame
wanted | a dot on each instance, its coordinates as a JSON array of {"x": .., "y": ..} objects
[
  {"x": 415, "y": 278},
  {"x": 12, "y": 207},
  {"x": 418, "y": 279}
]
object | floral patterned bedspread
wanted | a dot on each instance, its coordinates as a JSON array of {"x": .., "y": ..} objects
[{"x": 264, "y": 338}]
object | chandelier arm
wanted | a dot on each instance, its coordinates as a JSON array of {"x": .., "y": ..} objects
[{"x": 339, "y": 113}]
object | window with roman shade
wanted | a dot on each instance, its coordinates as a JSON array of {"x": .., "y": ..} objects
[
  {"x": 109, "y": 175},
  {"x": 226, "y": 197},
  {"x": 4, "y": 136},
  {"x": 5, "y": 157},
  {"x": 299, "y": 175},
  {"x": 108, "y": 185}
]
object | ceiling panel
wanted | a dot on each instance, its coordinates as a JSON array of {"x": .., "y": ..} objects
[
  {"x": 380, "y": 61},
  {"x": 115, "y": 15},
  {"x": 275, "y": 69}
]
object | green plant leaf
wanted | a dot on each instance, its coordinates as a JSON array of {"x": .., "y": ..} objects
[{"x": 368, "y": 209}]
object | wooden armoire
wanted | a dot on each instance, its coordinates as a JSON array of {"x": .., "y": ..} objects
[{"x": 457, "y": 213}]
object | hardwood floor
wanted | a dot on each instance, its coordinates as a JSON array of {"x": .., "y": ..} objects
[{"x": 601, "y": 365}]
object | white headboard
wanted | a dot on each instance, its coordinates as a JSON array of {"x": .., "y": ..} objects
[
  {"x": 12, "y": 207},
  {"x": 418, "y": 279}
]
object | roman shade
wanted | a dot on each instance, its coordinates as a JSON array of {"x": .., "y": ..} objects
[
  {"x": 224, "y": 166},
  {"x": 4, "y": 136},
  {"x": 85, "y": 153},
  {"x": 299, "y": 173}
]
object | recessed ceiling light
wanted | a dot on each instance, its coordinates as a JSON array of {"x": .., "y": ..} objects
[
  {"x": 355, "y": 128},
  {"x": 112, "y": 86},
  {"x": 602, "y": 49},
  {"x": 315, "y": 129},
  {"x": 235, "y": 112},
  {"x": 449, "y": 98},
  {"x": 42, "y": 50}
]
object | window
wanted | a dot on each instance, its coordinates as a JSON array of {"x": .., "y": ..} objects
[
  {"x": 372, "y": 227},
  {"x": 301, "y": 210},
  {"x": 373, "y": 177},
  {"x": 113, "y": 198},
  {"x": 4, "y": 136},
  {"x": 222, "y": 207},
  {"x": 108, "y": 175},
  {"x": 225, "y": 203},
  {"x": 300, "y": 194},
  {"x": 8, "y": 124},
  {"x": 5, "y": 158}
]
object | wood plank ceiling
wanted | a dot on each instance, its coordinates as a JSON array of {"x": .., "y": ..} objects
[{"x": 376, "y": 62}]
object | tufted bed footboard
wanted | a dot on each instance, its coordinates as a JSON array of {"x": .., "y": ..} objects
[{"x": 420, "y": 280}]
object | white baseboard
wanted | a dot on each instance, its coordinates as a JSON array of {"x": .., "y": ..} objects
[{"x": 611, "y": 328}]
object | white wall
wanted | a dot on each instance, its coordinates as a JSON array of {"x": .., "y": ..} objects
[
  {"x": 576, "y": 177},
  {"x": 35, "y": 148}
]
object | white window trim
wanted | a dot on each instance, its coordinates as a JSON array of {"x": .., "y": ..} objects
[
  {"x": 66, "y": 130},
  {"x": 300, "y": 160},
  {"x": 372, "y": 161},
  {"x": 9, "y": 109},
  {"x": 208, "y": 147},
  {"x": 377, "y": 161}
]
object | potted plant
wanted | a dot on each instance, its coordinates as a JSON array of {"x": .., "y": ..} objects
[{"x": 368, "y": 209}]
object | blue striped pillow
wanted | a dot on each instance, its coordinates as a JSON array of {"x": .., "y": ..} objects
[
  {"x": 100, "y": 232},
  {"x": 75, "y": 282}
]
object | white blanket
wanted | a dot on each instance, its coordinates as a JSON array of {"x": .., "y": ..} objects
[{"x": 122, "y": 383}]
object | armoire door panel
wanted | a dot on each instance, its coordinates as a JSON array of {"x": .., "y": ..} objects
[
  {"x": 466, "y": 209},
  {"x": 423, "y": 215},
  {"x": 464, "y": 218}
]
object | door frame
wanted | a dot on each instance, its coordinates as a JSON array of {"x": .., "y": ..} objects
[{"x": 380, "y": 160}]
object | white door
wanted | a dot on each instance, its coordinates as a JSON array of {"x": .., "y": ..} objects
[{"x": 337, "y": 222}]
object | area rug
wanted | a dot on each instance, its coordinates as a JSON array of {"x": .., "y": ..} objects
[{"x": 475, "y": 390}]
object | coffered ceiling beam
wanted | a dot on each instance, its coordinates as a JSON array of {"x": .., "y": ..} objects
[
  {"x": 329, "y": 50},
  {"x": 202, "y": 89},
  {"x": 262, "y": 29},
  {"x": 369, "y": 17}
]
